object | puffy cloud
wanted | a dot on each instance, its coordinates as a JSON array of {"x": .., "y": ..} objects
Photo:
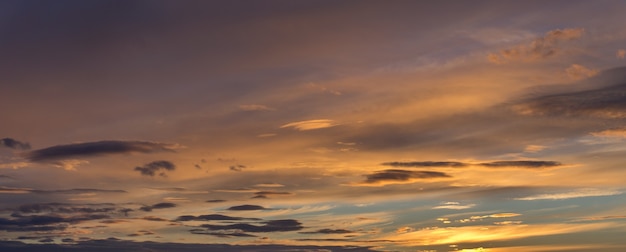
[
  {"x": 14, "y": 144},
  {"x": 547, "y": 46},
  {"x": 69, "y": 151},
  {"x": 150, "y": 169},
  {"x": 310, "y": 124},
  {"x": 264, "y": 194},
  {"x": 237, "y": 167}
]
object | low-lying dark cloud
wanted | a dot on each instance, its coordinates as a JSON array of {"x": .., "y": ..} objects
[
  {"x": 157, "y": 206},
  {"x": 246, "y": 208},
  {"x": 605, "y": 102},
  {"x": 265, "y": 194},
  {"x": 20, "y": 223},
  {"x": 402, "y": 175},
  {"x": 221, "y": 233},
  {"x": 150, "y": 169},
  {"x": 522, "y": 164},
  {"x": 14, "y": 144},
  {"x": 88, "y": 149},
  {"x": 329, "y": 231},
  {"x": 67, "y": 208},
  {"x": 493, "y": 164},
  {"x": 210, "y": 217},
  {"x": 269, "y": 226},
  {"x": 426, "y": 164},
  {"x": 116, "y": 245},
  {"x": 216, "y": 201}
]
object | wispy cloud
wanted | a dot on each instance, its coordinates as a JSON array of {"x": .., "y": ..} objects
[
  {"x": 547, "y": 46},
  {"x": 491, "y": 164},
  {"x": 589, "y": 192},
  {"x": 255, "y": 107},
  {"x": 454, "y": 206},
  {"x": 310, "y": 124},
  {"x": 396, "y": 176}
]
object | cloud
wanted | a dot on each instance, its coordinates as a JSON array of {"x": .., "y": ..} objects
[
  {"x": 215, "y": 201},
  {"x": 329, "y": 231},
  {"x": 237, "y": 168},
  {"x": 14, "y": 144},
  {"x": 606, "y": 102},
  {"x": 246, "y": 208},
  {"x": 209, "y": 217},
  {"x": 620, "y": 54},
  {"x": 255, "y": 107},
  {"x": 67, "y": 208},
  {"x": 21, "y": 223},
  {"x": 4, "y": 189},
  {"x": 157, "y": 206},
  {"x": 454, "y": 206},
  {"x": 116, "y": 245},
  {"x": 426, "y": 164},
  {"x": 522, "y": 164},
  {"x": 88, "y": 149},
  {"x": 578, "y": 72},
  {"x": 310, "y": 124},
  {"x": 544, "y": 47},
  {"x": 400, "y": 176},
  {"x": 264, "y": 194},
  {"x": 493, "y": 164},
  {"x": 587, "y": 192},
  {"x": 269, "y": 226},
  {"x": 222, "y": 233},
  {"x": 150, "y": 169}
]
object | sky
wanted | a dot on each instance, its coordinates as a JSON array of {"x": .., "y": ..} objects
[{"x": 312, "y": 125}]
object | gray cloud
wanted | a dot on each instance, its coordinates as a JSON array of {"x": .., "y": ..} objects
[
  {"x": 246, "y": 208},
  {"x": 209, "y": 217},
  {"x": 329, "y": 231},
  {"x": 522, "y": 164},
  {"x": 150, "y": 169},
  {"x": 269, "y": 226},
  {"x": 157, "y": 206},
  {"x": 215, "y": 201},
  {"x": 14, "y": 144},
  {"x": 237, "y": 167},
  {"x": 222, "y": 233},
  {"x": 21, "y": 223},
  {"x": 67, "y": 208},
  {"x": 494, "y": 164},
  {"x": 265, "y": 194},
  {"x": 604, "y": 98},
  {"x": 426, "y": 164},
  {"x": 402, "y": 175},
  {"x": 95, "y": 149},
  {"x": 116, "y": 245}
]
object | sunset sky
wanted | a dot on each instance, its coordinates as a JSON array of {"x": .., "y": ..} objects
[{"x": 286, "y": 125}]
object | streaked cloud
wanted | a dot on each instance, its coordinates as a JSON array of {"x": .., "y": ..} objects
[
  {"x": 87, "y": 149},
  {"x": 581, "y": 193},
  {"x": 255, "y": 107},
  {"x": 543, "y": 47},
  {"x": 310, "y": 124},
  {"x": 454, "y": 206}
]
